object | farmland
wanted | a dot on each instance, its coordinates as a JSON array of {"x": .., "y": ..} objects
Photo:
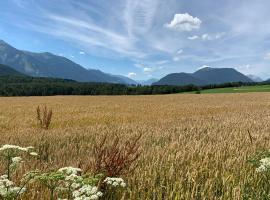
[
  {"x": 242, "y": 89},
  {"x": 193, "y": 146}
]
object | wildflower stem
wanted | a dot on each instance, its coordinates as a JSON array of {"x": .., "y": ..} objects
[
  {"x": 52, "y": 193},
  {"x": 8, "y": 166}
]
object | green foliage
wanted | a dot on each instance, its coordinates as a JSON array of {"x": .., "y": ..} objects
[
  {"x": 29, "y": 86},
  {"x": 37, "y": 86},
  {"x": 64, "y": 183},
  {"x": 261, "y": 162}
]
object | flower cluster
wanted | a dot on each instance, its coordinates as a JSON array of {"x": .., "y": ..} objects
[
  {"x": 72, "y": 180},
  {"x": 14, "y": 149},
  {"x": 75, "y": 184},
  {"x": 264, "y": 165},
  {"x": 11, "y": 155},
  {"x": 65, "y": 183},
  {"x": 87, "y": 192},
  {"x": 8, "y": 190},
  {"x": 115, "y": 182},
  {"x": 70, "y": 170}
]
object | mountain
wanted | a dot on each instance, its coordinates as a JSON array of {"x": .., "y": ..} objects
[
  {"x": 204, "y": 76},
  {"x": 220, "y": 75},
  {"x": 8, "y": 71},
  {"x": 179, "y": 79},
  {"x": 49, "y": 65},
  {"x": 126, "y": 80},
  {"x": 148, "y": 82},
  {"x": 255, "y": 78}
]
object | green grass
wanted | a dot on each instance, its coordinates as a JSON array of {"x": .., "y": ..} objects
[{"x": 243, "y": 89}]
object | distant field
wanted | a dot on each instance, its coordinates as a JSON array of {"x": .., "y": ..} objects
[
  {"x": 193, "y": 146},
  {"x": 243, "y": 89}
]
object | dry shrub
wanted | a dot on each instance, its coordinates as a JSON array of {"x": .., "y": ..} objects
[
  {"x": 116, "y": 159},
  {"x": 44, "y": 117}
]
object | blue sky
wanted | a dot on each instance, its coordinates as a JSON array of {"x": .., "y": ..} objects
[{"x": 143, "y": 39}]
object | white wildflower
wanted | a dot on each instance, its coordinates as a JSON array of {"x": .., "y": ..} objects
[
  {"x": 115, "y": 182},
  {"x": 70, "y": 170},
  {"x": 7, "y": 188},
  {"x": 100, "y": 194},
  {"x": 123, "y": 184},
  {"x": 8, "y": 146},
  {"x": 264, "y": 165},
  {"x": 265, "y": 162},
  {"x": 15, "y": 147},
  {"x": 16, "y": 159},
  {"x": 33, "y": 154},
  {"x": 87, "y": 192}
]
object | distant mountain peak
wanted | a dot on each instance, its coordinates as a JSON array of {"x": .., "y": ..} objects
[
  {"x": 47, "y": 64},
  {"x": 204, "y": 76},
  {"x": 2, "y": 42},
  {"x": 255, "y": 78}
]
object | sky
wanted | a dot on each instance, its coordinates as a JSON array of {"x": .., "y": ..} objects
[{"x": 144, "y": 39}]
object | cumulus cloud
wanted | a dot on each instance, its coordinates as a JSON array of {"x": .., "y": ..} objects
[
  {"x": 184, "y": 22},
  {"x": 131, "y": 74},
  {"x": 194, "y": 37}
]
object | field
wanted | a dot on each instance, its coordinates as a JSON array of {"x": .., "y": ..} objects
[
  {"x": 193, "y": 146},
  {"x": 243, "y": 89}
]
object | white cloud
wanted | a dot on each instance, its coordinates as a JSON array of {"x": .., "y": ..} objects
[
  {"x": 204, "y": 66},
  {"x": 131, "y": 74},
  {"x": 206, "y": 37},
  {"x": 148, "y": 69},
  {"x": 184, "y": 22},
  {"x": 212, "y": 37},
  {"x": 267, "y": 56},
  {"x": 177, "y": 57},
  {"x": 194, "y": 37},
  {"x": 82, "y": 53},
  {"x": 243, "y": 67}
]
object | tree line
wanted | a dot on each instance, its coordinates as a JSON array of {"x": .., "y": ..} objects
[{"x": 34, "y": 86}]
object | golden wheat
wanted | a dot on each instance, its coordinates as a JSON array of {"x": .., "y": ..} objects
[{"x": 193, "y": 146}]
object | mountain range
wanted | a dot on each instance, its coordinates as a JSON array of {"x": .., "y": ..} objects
[
  {"x": 50, "y": 65},
  {"x": 204, "y": 76}
]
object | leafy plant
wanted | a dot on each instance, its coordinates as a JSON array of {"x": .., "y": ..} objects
[
  {"x": 116, "y": 159},
  {"x": 12, "y": 157},
  {"x": 44, "y": 117},
  {"x": 67, "y": 182}
]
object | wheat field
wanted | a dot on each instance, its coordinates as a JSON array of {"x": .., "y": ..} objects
[{"x": 193, "y": 146}]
